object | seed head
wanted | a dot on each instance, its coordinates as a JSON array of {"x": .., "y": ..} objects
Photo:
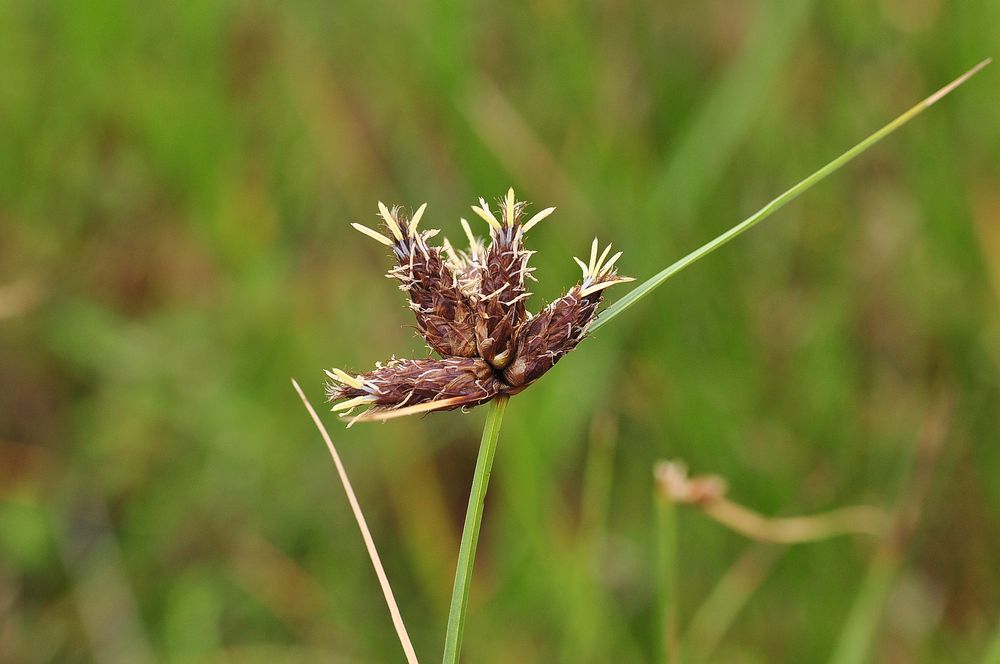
[{"x": 470, "y": 308}]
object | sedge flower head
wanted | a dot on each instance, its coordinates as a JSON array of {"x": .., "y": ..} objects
[{"x": 470, "y": 308}]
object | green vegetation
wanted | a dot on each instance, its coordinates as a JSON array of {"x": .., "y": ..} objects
[{"x": 175, "y": 188}]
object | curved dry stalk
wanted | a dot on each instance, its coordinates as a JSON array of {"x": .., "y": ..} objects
[
  {"x": 707, "y": 493},
  {"x": 390, "y": 600},
  {"x": 854, "y": 520}
]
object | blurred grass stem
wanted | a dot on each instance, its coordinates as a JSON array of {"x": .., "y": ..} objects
[
  {"x": 857, "y": 637},
  {"x": 719, "y": 610},
  {"x": 585, "y": 613},
  {"x": 666, "y": 587},
  {"x": 470, "y": 532}
]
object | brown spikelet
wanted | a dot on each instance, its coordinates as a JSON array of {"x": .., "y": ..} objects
[
  {"x": 453, "y": 381},
  {"x": 444, "y": 312},
  {"x": 500, "y": 307},
  {"x": 548, "y": 336},
  {"x": 556, "y": 330}
]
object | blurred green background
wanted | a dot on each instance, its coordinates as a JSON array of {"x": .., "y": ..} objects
[{"x": 176, "y": 182}]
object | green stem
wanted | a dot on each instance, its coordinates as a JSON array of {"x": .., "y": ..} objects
[
  {"x": 857, "y": 638},
  {"x": 710, "y": 622},
  {"x": 781, "y": 201},
  {"x": 470, "y": 532},
  {"x": 666, "y": 591},
  {"x": 858, "y": 634}
]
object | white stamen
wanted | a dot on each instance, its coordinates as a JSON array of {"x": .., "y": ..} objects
[
  {"x": 593, "y": 256},
  {"x": 353, "y": 403},
  {"x": 583, "y": 266},
  {"x": 469, "y": 235},
  {"x": 610, "y": 264},
  {"x": 483, "y": 210},
  {"x": 375, "y": 235},
  {"x": 346, "y": 378},
  {"x": 537, "y": 218},
  {"x": 450, "y": 251},
  {"x": 389, "y": 221},
  {"x": 416, "y": 219},
  {"x": 600, "y": 260},
  {"x": 593, "y": 288},
  {"x": 509, "y": 212}
]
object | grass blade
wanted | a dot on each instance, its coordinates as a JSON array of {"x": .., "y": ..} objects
[
  {"x": 666, "y": 588},
  {"x": 397, "y": 619},
  {"x": 728, "y": 598},
  {"x": 857, "y": 638},
  {"x": 647, "y": 286},
  {"x": 730, "y": 107},
  {"x": 585, "y": 612},
  {"x": 858, "y": 635},
  {"x": 470, "y": 532}
]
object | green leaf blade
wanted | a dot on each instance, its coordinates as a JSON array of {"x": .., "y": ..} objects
[{"x": 646, "y": 287}]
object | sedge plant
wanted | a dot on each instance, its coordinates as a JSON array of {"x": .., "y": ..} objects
[{"x": 470, "y": 308}]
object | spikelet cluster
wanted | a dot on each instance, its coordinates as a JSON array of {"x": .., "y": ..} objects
[{"x": 470, "y": 308}]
